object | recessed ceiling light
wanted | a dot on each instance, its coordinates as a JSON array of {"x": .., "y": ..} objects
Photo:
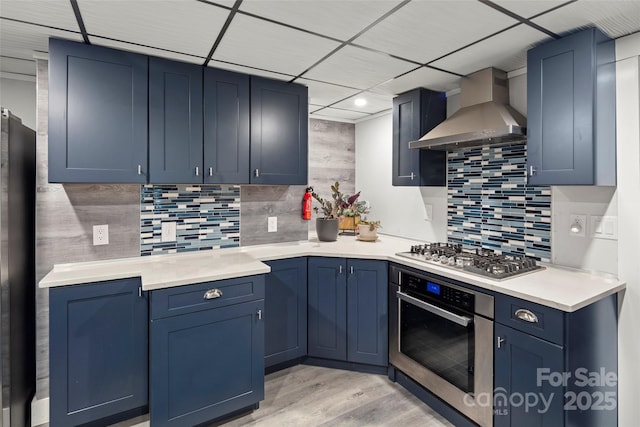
[{"x": 360, "y": 102}]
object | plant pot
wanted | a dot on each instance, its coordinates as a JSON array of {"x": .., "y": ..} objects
[
  {"x": 327, "y": 229},
  {"x": 349, "y": 223},
  {"x": 365, "y": 232}
]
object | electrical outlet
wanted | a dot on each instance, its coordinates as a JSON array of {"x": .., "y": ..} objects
[
  {"x": 169, "y": 231},
  {"x": 272, "y": 224},
  {"x": 577, "y": 225},
  {"x": 100, "y": 235}
]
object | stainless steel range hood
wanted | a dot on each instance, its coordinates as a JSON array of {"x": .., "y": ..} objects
[{"x": 485, "y": 116}]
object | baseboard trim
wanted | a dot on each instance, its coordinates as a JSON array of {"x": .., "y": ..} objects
[{"x": 39, "y": 411}]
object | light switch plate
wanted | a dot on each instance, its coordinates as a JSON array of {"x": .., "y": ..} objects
[
  {"x": 169, "y": 231},
  {"x": 100, "y": 235},
  {"x": 604, "y": 227},
  {"x": 272, "y": 224}
]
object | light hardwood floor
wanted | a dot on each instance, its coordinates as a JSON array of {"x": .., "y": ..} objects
[{"x": 310, "y": 396}]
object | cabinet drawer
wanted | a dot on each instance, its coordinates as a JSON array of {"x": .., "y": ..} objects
[
  {"x": 202, "y": 296},
  {"x": 534, "y": 319}
]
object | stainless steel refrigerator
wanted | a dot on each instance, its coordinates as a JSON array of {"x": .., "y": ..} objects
[{"x": 17, "y": 270}]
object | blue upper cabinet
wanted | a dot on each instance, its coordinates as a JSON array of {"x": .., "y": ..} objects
[
  {"x": 226, "y": 127},
  {"x": 98, "y": 352},
  {"x": 175, "y": 122},
  {"x": 97, "y": 114},
  {"x": 279, "y": 132},
  {"x": 414, "y": 114},
  {"x": 571, "y": 136}
]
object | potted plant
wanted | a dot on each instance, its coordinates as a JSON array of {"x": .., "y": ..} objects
[
  {"x": 368, "y": 230},
  {"x": 327, "y": 226},
  {"x": 352, "y": 209}
]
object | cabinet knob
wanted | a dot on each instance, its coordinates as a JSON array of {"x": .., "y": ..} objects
[
  {"x": 340, "y": 269},
  {"x": 412, "y": 176},
  {"x": 213, "y": 294},
  {"x": 197, "y": 171},
  {"x": 532, "y": 170},
  {"x": 210, "y": 171},
  {"x": 257, "y": 171},
  {"x": 139, "y": 169},
  {"x": 351, "y": 269},
  {"x": 500, "y": 341},
  {"x": 259, "y": 314},
  {"x": 526, "y": 315}
]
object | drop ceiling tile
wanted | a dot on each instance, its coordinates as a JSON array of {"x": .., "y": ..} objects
[
  {"x": 425, "y": 30},
  {"x": 422, "y": 77},
  {"x": 251, "y": 71},
  {"x": 376, "y": 102},
  {"x": 615, "y": 18},
  {"x": 257, "y": 43},
  {"x": 335, "y": 18},
  {"x": 506, "y": 51},
  {"x": 326, "y": 94},
  {"x": 360, "y": 68},
  {"x": 334, "y": 113},
  {"x": 528, "y": 8},
  {"x": 185, "y": 26},
  {"x": 22, "y": 40},
  {"x": 53, "y": 13},
  {"x": 100, "y": 41},
  {"x": 18, "y": 66}
]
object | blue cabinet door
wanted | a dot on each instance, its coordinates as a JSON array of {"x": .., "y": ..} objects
[
  {"x": 226, "y": 127},
  {"x": 571, "y": 111},
  {"x": 206, "y": 364},
  {"x": 175, "y": 122},
  {"x": 414, "y": 114},
  {"x": 285, "y": 330},
  {"x": 279, "y": 127},
  {"x": 97, "y": 114},
  {"x": 367, "y": 336},
  {"x": 519, "y": 359},
  {"x": 98, "y": 351},
  {"x": 327, "y": 315}
]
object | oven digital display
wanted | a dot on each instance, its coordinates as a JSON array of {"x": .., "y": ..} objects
[{"x": 434, "y": 288}]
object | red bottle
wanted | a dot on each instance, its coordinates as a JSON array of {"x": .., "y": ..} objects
[{"x": 306, "y": 204}]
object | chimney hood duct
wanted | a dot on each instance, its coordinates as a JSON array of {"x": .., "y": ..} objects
[{"x": 485, "y": 116}]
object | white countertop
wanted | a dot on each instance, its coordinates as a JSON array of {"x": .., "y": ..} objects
[{"x": 561, "y": 288}]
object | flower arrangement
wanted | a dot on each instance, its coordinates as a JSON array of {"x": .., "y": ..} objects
[{"x": 341, "y": 204}]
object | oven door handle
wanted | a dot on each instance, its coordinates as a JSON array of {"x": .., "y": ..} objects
[{"x": 455, "y": 318}]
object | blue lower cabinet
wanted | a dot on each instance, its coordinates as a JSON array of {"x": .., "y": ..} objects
[
  {"x": 206, "y": 364},
  {"x": 285, "y": 328},
  {"x": 98, "y": 352},
  {"x": 348, "y": 310}
]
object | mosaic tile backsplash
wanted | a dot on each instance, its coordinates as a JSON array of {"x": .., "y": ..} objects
[
  {"x": 490, "y": 206},
  {"x": 206, "y": 216}
]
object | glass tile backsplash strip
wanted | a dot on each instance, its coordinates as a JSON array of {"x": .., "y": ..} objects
[
  {"x": 490, "y": 206},
  {"x": 206, "y": 217}
]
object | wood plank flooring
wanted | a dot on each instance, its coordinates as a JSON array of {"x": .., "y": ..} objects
[{"x": 312, "y": 396}]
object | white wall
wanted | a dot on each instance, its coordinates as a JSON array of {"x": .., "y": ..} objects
[
  {"x": 400, "y": 209},
  {"x": 20, "y": 97},
  {"x": 628, "y": 198}
]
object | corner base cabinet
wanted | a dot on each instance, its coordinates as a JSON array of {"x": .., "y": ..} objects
[
  {"x": 348, "y": 310},
  {"x": 285, "y": 329},
  {"x": 206, "y": 351},
  {"x": 554, "y": 368},
  {"x": 98, "y": 352}
]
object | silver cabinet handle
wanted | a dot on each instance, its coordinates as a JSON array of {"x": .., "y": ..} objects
[
  {"x": 351, "y": 269},
  {"x": 412, "y": 176},
  {"x": 213, "y": 294},
  {"x": 257, "y": 173},
  {"x": 197, "y": 171},
  {"x": 500, "y": 341},
  {"x": 340, "y": 270},
  {"x": 259, "y": 314},
  {"x": 139, "y": 169},
  {"x": 526, "y": 315},
  {"x": 445, "y": 314},
  {"x": 532, "y": 170},
  {"x": 210, "y": 171}
]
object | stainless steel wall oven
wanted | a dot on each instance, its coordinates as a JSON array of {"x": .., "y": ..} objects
[{"x": 441, "y": 336}]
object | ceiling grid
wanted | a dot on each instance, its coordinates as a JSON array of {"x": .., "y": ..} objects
[{"x": 340, "y": 49}]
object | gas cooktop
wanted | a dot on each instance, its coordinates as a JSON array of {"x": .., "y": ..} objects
[{"x": 482, "y": 262}]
